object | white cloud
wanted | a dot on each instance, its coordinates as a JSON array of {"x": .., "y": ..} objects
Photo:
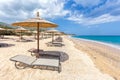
[
  {"x": 23, "y": 9},
  {"x": 104, "y": 18},
  {"x": 97, "y": 20},
  {"x": 17, "y": 10},
  {"x": 52, "y": 9}
]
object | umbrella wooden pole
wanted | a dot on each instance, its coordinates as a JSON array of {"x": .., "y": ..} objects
[
  {"x": 21, "y": 34},
  {"x": 38, "y": 37},
  {"x": 52, "y": 37},
  {"x": 42, "y": 35},
  {"x": 35, "y": 36}
]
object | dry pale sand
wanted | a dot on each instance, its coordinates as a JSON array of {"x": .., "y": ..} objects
[
  {"x": 106, "y": 58},
  {"x": 76, "y": 66}
]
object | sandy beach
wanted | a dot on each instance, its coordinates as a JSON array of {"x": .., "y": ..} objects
[
  {"x": 78, "y": 62},
  {"x": 105, "y": 57}
]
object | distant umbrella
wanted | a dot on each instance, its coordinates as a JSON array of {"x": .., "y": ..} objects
[
  {"x": 34, "y": 32},
  {"x": 2, "y": 29},
  {"x": 53, "y": 31},
  {"x": 21, "y": 29}
]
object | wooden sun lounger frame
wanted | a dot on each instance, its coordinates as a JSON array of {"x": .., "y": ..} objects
[
  {"x": 59, "y": 39},
  {"x": 56, "y": 44},
  {"x": 31, "y": 64}
]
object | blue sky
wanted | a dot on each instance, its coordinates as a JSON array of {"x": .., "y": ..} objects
[{"x": 82, "y": 17}]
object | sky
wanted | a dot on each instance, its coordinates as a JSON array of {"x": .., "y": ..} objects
[{"x": 81, "y": 17}]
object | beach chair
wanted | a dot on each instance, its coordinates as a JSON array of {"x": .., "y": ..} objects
[
  {"x": 33, "y": 51},
  {"x": 24, "y": 40},
  {"x": 55, "y": 44},
  {"x": 22, "y": 61},
  {"x": 42, "y": 53},
  {"x": 1, "y": 37},
  {"x": 59, "y": 39},
  {"x": 3, "y": 44}
]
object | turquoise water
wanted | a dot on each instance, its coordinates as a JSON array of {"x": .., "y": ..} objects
[{"x": 107, "y": 39}]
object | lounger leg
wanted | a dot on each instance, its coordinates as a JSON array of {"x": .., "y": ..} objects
[
  {"x": 20, "y": 65},
  {"x": 59, "y": 68}
]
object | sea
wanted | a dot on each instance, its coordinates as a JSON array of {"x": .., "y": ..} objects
[{"x": 113, "y": 40}]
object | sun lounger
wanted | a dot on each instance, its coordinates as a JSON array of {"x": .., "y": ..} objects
[
  {"x": 52, "y": 54},
  {"x": 3, "y": 44},
  {"x": 23, "y": 40},
  {"x": 57, "y": 44},
  {"x": 22, "y": 61},
  {"x": 33, "y": 50},
  {"x": 48, "y": 54},
  {"x": 1, "y": 37},
  {"x": 59, "y": 39}
]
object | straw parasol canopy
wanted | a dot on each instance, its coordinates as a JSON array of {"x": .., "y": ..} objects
[
  {"x": 2, "y": 29},
  {"x": 36, "y": 22},
  {"x": 21, "y": 29},
  {"x": 35, "y": 33},
  {"x": 53, "y": 31}
]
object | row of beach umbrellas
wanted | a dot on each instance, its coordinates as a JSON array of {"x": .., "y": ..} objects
[
  {"x": 47, "y": 32},
  {"x": 38, "y": 23}
]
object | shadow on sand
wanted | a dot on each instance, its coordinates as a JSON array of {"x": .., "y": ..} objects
[
  {"x": 6, "y": 45},
  {"x": 63, "y": 56}
]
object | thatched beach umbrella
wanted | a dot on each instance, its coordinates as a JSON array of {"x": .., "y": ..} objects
[
  {"x": 46, "y": 35},
  {"x": 34, "y": 32},
  {"x": 20, "y": 30},
  {"x": 42, "y": 34},
  {"x": 53, "y": 31},
  {"x": 36, "y": 22},
  {"x": 2, "y": 29}
]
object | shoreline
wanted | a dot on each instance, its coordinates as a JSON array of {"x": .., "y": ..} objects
[
  {"x": 106, "y": 57},
  {"x": 104, "y": 43}
]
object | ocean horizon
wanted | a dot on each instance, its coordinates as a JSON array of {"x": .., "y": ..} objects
[{"x": 114, "y": 40}]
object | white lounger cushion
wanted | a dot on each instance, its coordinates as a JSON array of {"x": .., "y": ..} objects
[{"x": 46, "y": 62}]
